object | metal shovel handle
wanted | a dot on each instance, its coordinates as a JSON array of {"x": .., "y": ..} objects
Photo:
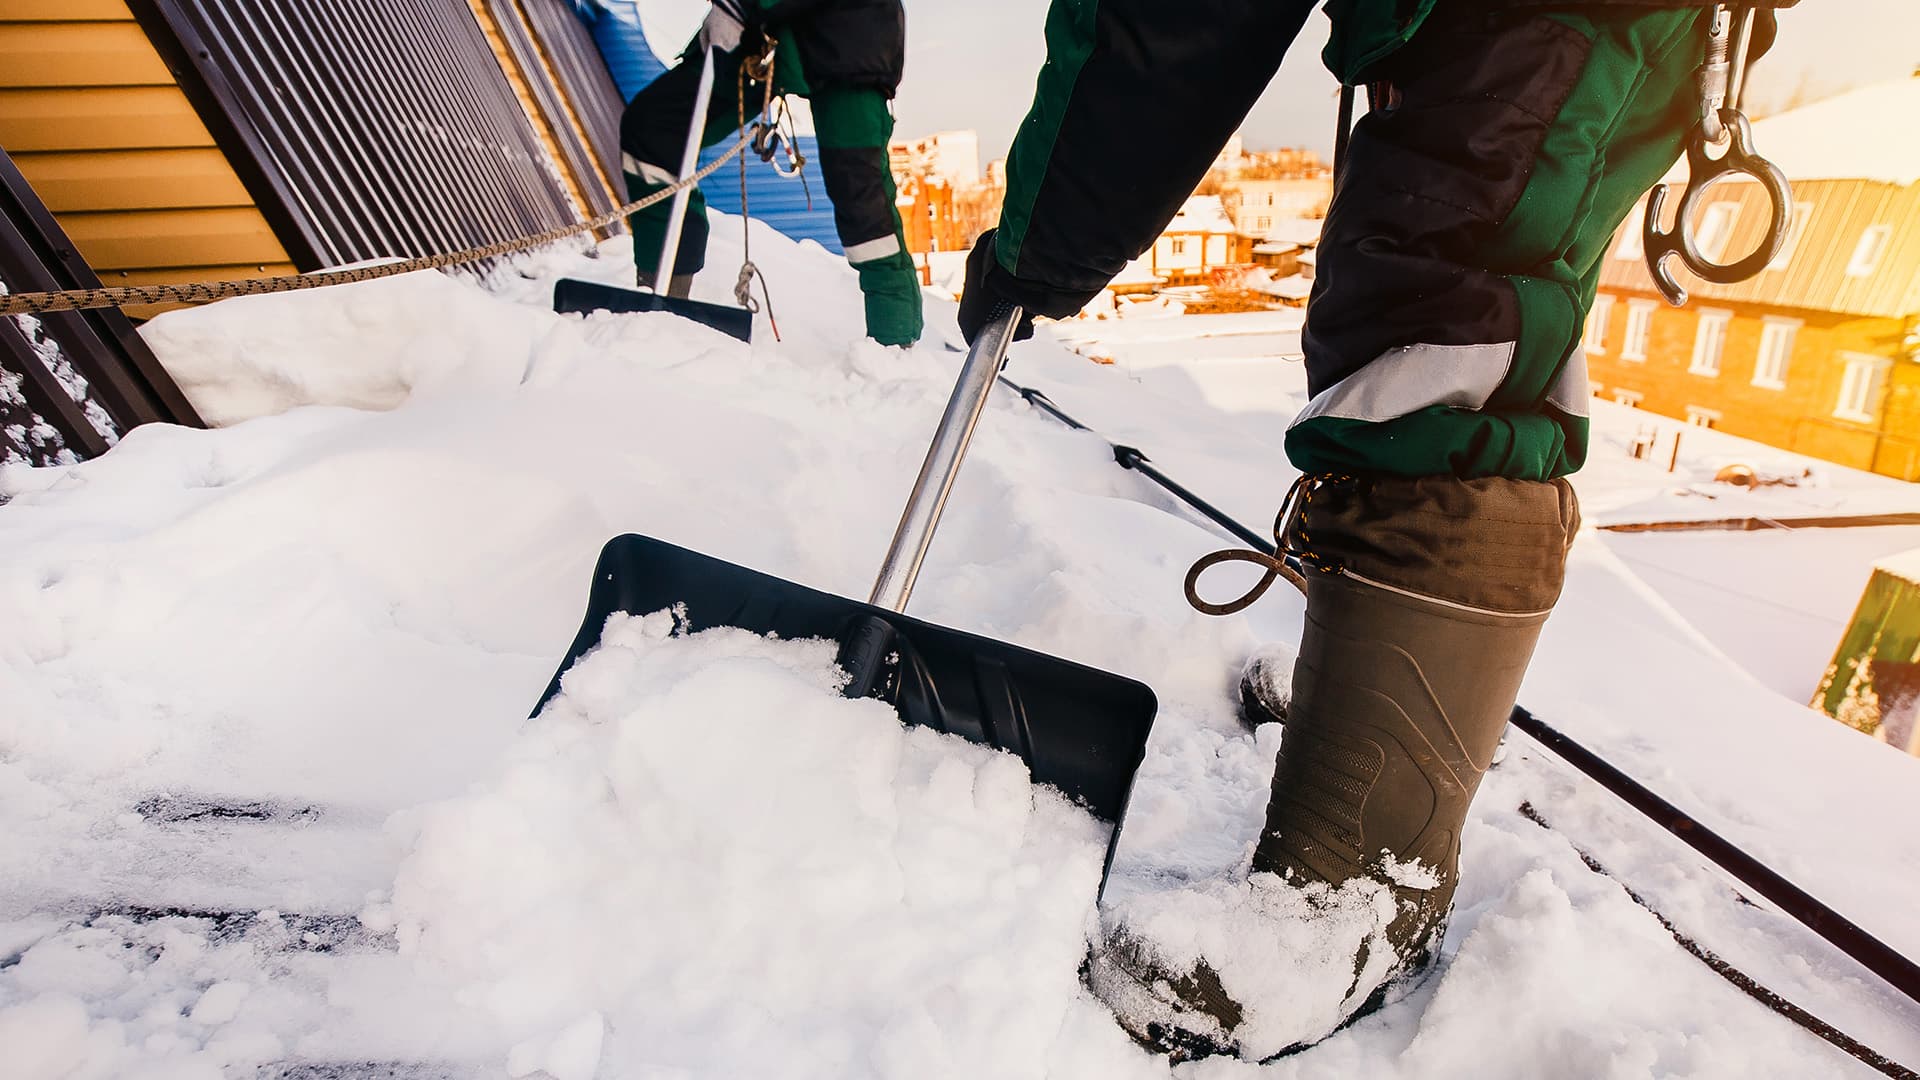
[
  {"x": 689, "y": 164},
  {"x": 915, "y": 532}
]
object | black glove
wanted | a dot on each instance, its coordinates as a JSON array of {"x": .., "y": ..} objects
[{"x": 990, "y": 292}]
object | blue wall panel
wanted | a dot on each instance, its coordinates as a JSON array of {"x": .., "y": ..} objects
[{"x": 774, "y": 199}]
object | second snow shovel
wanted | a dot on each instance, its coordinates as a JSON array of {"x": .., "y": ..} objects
[
  {"x": 1080, "y": 729},
  {"x": 575, "y": 297}
]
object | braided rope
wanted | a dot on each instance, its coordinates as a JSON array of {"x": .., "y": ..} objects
[{"x": 204, "y": 292}]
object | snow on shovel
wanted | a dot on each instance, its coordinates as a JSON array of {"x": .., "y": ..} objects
[{"x": 1082, "y": 730}]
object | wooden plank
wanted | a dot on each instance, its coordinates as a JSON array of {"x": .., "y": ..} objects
[
  {"x": 133, "y": 180},
  {"x": 64, "y": 11},
  {"x": 99, "y": 118},
  {"x": 147, "y": 238},
  {"x": 79, "y": 54}
]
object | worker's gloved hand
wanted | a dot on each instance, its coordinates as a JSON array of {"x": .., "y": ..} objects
[
  {"x": 724, "y": 26},
  {"x": 988, "y": 293}
]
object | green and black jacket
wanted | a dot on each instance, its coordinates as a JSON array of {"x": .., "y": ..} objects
[{"x": 1508, "y": 141}]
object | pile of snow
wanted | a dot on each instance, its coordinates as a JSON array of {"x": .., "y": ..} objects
[
  {"x": 275, "y": 804},
  {"x": 752, "y": 876}
]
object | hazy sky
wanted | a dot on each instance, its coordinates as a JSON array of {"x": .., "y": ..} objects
[{"x": 971, "y": 64}]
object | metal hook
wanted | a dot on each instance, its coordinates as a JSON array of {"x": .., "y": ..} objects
[{"x": 1739, "y": 160}]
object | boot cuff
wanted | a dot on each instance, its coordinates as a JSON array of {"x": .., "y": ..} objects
[{"x": 1489, "y": 543}]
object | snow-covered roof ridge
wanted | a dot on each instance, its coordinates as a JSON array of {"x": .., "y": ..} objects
[
  {"x": 1905, "y": 565},
  {"x": 1202, "y": 213},
  {"x": 1863, "y": 134}
]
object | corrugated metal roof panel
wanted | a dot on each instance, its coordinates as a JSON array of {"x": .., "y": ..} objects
[
  {"x": 1815, "y": 277},
  {"x": 779, "y": 201},
  {"x": 362, "y": 128}
]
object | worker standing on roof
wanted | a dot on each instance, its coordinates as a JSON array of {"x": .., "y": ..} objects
[
  {"x": 1506, "y": 141},
  {"x": 846, "y": 57}
]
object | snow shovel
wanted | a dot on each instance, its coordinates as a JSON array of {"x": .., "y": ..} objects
[
  {"x": 575, "y": 297},
  {"x": 1081, "y": 730}
]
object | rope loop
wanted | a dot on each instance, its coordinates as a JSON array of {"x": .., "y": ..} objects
[{"x": 1289, "y": 525}]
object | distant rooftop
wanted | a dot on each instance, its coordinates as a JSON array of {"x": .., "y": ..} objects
[{"x": 1863, "y": 134}]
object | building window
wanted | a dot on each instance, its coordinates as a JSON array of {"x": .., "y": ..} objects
[
  {"x": 1700, "y": 417},
  {"x": 1633, "y": 345},
  {"x": 1776, "y": 351},
  {"x": 1797, "y": 228},
  {"x": 1709, "y": 342},
  {"x": 1630, "y": 398},
  {"x": 1631, "y": 235},
  {"x": 1179, "y": 246},
  {"x": 1866, "y": 254},
  {"x": 1597, "y": 323},
  {"x": 1860, "y": 387},
  {"x": 1716, "y": 228},
  {"x": 1263, "y": 223}
]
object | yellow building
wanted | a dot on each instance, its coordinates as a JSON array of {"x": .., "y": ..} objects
[{"x": 1818, "y": 353}]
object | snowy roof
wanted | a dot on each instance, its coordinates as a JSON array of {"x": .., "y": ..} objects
[
  {"x": 1137, "y": 272},
  {"x": 1202, "y": 214},
  {"x": 1291, "y": 287},
  {"x": 1904, "y": 565},
  {"x": 1863, "y": 134},
  {"x": 1303, "y": 231},
  {"x": 1274, "y": 247}
]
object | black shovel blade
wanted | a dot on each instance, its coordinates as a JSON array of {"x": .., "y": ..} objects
[
  {"x": 572, "y": 296},
  {"x": 1079, "y": 729}
]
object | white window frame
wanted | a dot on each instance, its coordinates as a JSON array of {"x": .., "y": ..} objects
[
  {"x": 1796, "y": 228},
  {"x": 1602, "y": 310},
  {"x": 1699, "y": 416},
  {"x": 1177, "y": 245},
  {"x": 1859, "y": 387},
  {"x": 1633, "y": 346},
  {"x": 1717, "y": 223},
  {"x": 1868, "y": 252},
  {"x": 1773, "y": 359},
  {"x": 1632, "y": 239},
  {"x": 1630, "y": 398},
  {"x": 1710, "y": 342}
]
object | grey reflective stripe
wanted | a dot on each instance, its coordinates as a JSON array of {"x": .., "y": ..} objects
[
  {"x": 1414, "y": 377},
  {"x": 1571, "y": 391},
  {"x": 652, "y": 174},
  {"x": 870, "y": 250}
]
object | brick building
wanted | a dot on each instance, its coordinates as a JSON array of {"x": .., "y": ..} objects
[{"x": 1817, "y": 354}]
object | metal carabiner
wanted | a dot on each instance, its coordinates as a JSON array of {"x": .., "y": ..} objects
[
  {"x": 1739, "y": 160},
  {"x": 1722, "y": 81}
]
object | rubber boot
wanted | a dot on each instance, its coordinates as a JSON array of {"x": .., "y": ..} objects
[{"x": 1424, "y": 603}]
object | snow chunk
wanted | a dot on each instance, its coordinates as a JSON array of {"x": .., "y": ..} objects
[
  {"x": 369, "y": 345},
  {"x": 746, "y": 874}
]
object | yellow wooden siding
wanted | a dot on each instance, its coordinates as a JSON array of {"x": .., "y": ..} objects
[
  {"x": 96, "y": 123},
  {"x": 138, "y": 239},
  {"x": 98, "y": 118},
  {"x": 134, "y": 180},
  {"x": 63, "y": 10},
  {"x": 78, "y": 54}
]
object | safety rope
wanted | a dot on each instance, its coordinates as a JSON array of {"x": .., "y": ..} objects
[
  {"x": 205, "y": 292},
  {"x": 1746, "y": 983},
  {"x": 762, "y": 72}
]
